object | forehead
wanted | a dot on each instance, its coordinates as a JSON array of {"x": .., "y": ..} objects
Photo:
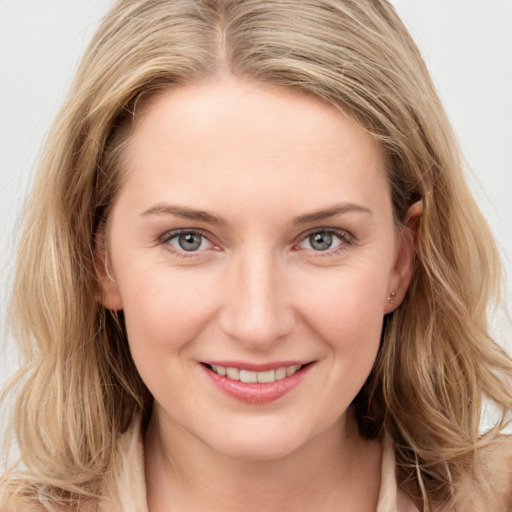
[{"x": 244, "y": 137}]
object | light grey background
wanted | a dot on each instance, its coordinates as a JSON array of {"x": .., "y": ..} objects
[{"x": 467, "y": 45}]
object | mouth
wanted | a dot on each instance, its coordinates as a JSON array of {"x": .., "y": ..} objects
[
  {"x": 256, "y": 384},
  {"x": 251, "y": 377}
]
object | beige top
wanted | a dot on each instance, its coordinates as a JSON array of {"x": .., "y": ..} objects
[
  {"x": 125, "y": 489},
  {"x": 129, "y": 480}
]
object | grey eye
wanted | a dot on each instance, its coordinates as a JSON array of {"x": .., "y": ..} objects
[
  {"x": 188, "y": 242},
  {"x": 321, "y": 241}
]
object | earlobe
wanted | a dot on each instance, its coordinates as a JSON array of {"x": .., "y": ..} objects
[
  {"x": 108, "y": 291},
  {"x": 404, "y": 263}
]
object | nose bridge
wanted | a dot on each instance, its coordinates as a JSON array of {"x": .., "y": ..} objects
[{"x": 258, "y": 310}]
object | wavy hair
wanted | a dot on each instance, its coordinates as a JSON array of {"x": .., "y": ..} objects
[{"x": 79, "y": 388}]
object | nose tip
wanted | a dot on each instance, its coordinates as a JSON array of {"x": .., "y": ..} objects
[
  {"x": 257, "y": 328},
  {"x": 258, "y": 311}
]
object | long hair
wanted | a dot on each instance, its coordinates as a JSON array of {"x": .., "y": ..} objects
[{"x": 80, "y": 388}]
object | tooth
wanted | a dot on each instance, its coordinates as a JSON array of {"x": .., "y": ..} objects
[
  {"x": 290, "y": 370},
  {"x": 247, "y": 376},
  {"x": 221, "y": 370},
  {"x": 280, "y": 373},
  {"x": 215, "y": 369},
  {"x": 269, "y": 376},
  {"x": 233, "y": 373}
]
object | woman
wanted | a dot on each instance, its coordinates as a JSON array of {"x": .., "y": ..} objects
[{"x": 257, "y": 278}]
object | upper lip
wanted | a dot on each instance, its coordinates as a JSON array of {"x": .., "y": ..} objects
[{"x": 253, "y": 367}]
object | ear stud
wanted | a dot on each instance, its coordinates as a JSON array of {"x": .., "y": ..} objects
[{"x": 391, "y": 297}]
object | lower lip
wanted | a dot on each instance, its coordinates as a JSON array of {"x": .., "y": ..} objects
[{"x": 257, "y": 393}]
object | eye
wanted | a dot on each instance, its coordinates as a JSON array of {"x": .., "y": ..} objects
[
  {"x": 324, "y": 240},
  {"x": 188, "y": 241}
]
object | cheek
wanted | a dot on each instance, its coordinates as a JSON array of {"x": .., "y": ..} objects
[
  {"x": 347, "y": 301},
  {"x": 165, "y": 313},
  {"x": 165, "y": 310},
  {"x": 346, "y": 313}
]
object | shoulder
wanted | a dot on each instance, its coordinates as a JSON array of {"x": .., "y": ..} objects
[
  {"x": 31, "y": 504},
  {"x": 19, "y": 493},
  {"x": 121, "y": 489},
  {"x": 491, "y": 487}
]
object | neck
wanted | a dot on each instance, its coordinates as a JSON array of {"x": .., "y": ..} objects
[{"x": 336, "y": 470}]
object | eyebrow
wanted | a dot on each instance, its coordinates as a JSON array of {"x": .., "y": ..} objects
[
  {"x": 211, "y": 218},
  {"x": 332, "y": 211},
  {"x": 185, "y": 212}
]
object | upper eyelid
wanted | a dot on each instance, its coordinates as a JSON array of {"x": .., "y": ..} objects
[
  {"x": 165, "y": 237},
  {"x": 164, "y": 240},
  {"x": 346, "y": 240},
  {"x": 343, "y": 233}
]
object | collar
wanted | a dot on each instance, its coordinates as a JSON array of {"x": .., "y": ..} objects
[{"x": 125, "y": 490}]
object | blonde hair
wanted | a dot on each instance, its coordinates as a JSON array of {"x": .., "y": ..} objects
[{"x": 436, "y": 363}]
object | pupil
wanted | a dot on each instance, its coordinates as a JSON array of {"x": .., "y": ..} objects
[
  {"x": 189, "y": 241},
  {"x": 321, "y": 241}
]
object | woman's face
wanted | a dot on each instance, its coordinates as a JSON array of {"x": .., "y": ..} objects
[{"x": 253, "y": 236}]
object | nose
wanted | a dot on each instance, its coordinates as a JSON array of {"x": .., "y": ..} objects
[{"x": 257, "y": 309}]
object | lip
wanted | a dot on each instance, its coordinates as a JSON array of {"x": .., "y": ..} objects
[{"x": 257, "y": 393}]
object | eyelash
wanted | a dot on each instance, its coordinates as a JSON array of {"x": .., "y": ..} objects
[
  {"x": 344, "y": 237},
  {"x": 170, "y": 235}
]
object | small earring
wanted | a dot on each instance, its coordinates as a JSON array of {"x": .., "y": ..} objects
[{"x": 391, "y": 297}]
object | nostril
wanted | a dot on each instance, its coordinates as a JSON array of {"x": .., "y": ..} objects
[{"x": 258, "y": 328}]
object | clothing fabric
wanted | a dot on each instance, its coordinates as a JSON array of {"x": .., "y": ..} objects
[
  {"x": 126, "y": 491},
  {"x": 488, "y": 489}
]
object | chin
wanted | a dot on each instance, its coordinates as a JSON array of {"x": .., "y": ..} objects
[{"x": 259, "y": 445}]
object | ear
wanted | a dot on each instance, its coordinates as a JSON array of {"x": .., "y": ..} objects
[
  {"x": 401, "y": 274},
  {"x": 108, "y": 292}
]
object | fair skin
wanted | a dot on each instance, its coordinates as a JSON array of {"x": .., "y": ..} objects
[{"x": 254, "y": 230}]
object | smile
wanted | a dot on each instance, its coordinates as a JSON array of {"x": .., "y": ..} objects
[
  {"x": 248, "y": 376},
  {"x": 256, "y": 385}
]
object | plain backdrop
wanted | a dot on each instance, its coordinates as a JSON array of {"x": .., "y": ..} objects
[{"x": 467, "y": 44}]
